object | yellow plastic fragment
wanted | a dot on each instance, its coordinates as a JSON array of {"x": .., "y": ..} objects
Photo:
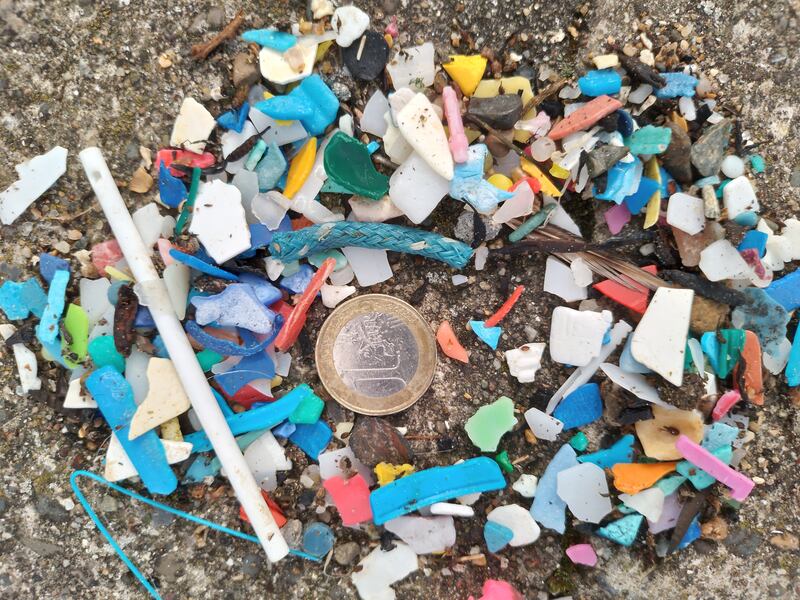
[
  {"x": 499, "y": 180},
  {"x": 115, "y": 273},
  {"x": 558, "y": 171},
  {"x": 679, "y": 121},
  {"x": 276, "y": 381},
  {"x": 300, "y": 168},
  {"x": 171, "y": 430},
  {"x": 489, "y": 88},
  {"x": 387, "y": 472},
  {"x": 466, "y": 71},
  {"x": 322, "y": 50},
  {"x": 652, "y": 171},
  {"x": 548, "y": 187}
]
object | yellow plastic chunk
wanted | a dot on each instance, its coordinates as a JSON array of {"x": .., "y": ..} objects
[
  {"x": 489, "y": 88},
  {"x": 387, "y": 472},
  {"x": 322, "y": 49},
  {"x": 499, "y": 180},
  {"x": 548, "y": 187},
  {"x": 115, "y": 273},
  {"x": 558, "y": 171},
  {"x": 679, "y": 121},
  {"x": 652, "y": 171},
  {"x": 466, "y": 71},
  {"x": 276, "y": 381},
  {"x": 300, "y": 168},
  {"x": 171, "y": 430}
]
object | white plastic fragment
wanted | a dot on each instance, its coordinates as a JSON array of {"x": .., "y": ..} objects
[
  {"x": 218, "y": 221},
  {"x": 721, "y": 260},
  {"x": 560, "y": 281},
  {"x": 394, "y": 144},
  {"x": 424, "y": 535},
  {"x": 343, "y": 463},
  {"x": 176, "y": 278},
  {"x": 659, "y": 341},
  {"x": 423, "y": 130},
  {"x": 686, "y": 213},
  {"x": 413, "y": 67},
  {"x": 27, "y": 367},
  {"x": 136, "y": 374},
  {"x": 525, "y": 361},
  {"x": 94, "y": 298},
  {"x": 349, "y": 23},
  {"x": 635, "y": 383},
  {"x": 576, "y": 337},
  {"x": 334, "y": 294},
  {"x": 581, "y": 272},
  {"x": 150, "y": 223},
  {"x": 74, "y": 399},
  {"x": 192, "y": 126},
  {"x": 459, "y": 279},
  {"x": 543, "y": 426},
  {"x": 738, "y": 197},
  {"x": 519, "y": 205},
  {"x": 525, "y": 486},
  {"x": 585, "y": 490},
  {"x": 416, "y": 189},
  {"x": 265, "y": 457},
  {"x": 379, "y": 570},
  {"x": 343, "y": 276},
  {"x": 35, "y": 177},
  {"x": 165, "y": 398},
  {"x": 687, "y": 108},
  {"x": 372, "y": 120},
  {"x": 649, "y": 502},
  {"x": 452, "y": 509},
  {"x": 518, "y": 520},
  {"x": 732, "y": 167},
  {"x": 369, "y": 265},
  {"x": 640, "y": 94},
  {"x": 367, "y": 210},
  {"x": 287, "y": 67},
  {"x": 119, "y": 466}
]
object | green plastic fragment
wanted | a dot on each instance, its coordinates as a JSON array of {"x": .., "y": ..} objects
[
  {"x": 318, "y": 258},
  {"x": 76, "y": 324},
  {"x": 348, "y": 164},
  {"x": 757, "y": 163},
  {"x": 504, "y": 462},
  {"x": 622, "y": 531},
  {"x": 669, "y": 485},
  {"x": 255, "y": 155},
  {"x": 579, "y": 441},
  {"x": 331, "y": 187},
  {"x": 532, "y": 223},
  {"x": 729, "y": 346},
  {"x": 649, "y": 140},
  {"x": 308, "y": 411},
  {"x": 103, "y": 353},
  {"x": 490, "y": 422},
  {"x": 183, "y": 218},
  {"x": 208, "y": 358}
]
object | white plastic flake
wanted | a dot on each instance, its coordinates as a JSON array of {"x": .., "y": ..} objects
[
  {"x": 165, "y": 398},
  {"x": 543, "y": 426},
  {"x": 416, "y": 189},
  {"x": 379, "y": 570},
  {"x": 192, "y": 126},
  {"x": 372, "y": 120},
  {"x": 369, "y": 265},
  {"x": 424, "y": 535},
  {"x": 27, "y": 367},
  {"x": 739, "y": 196},
  {"x": 287, "y": 67},
  {"x": 560, "y": 281},
  {"x": 649, "y": 502},
  {"x": 519, "y": 520},
  {"x": 413, "y": 67},
  {"x": 721, "y": 260},
  {"x": 576, "y": 337},
  {"x": 585, "y": 490},
  {"x": 349, "y": 23},
  {"x": 525, "y": 361},
  {"x": 119, "y": 466},
  {"x": 35, "y": 178},
  {"x": 218, "y": 221},
  {"x": 686, "y": 213}
]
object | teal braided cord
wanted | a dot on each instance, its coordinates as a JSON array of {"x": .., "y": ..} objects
[{"x": 292, "y": 245}]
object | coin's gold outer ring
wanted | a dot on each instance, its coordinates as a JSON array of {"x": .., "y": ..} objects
[{"x": 366, "y": 405}]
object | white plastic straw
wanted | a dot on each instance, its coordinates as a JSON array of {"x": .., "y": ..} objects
[{"x": 180, "y": 352}]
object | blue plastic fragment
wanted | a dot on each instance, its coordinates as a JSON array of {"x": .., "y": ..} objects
[
  {"x": 226, "y": 409},
  {"x": 718, "y": 435},
  {"x": 49, "y": 264},
  {"x": 171, "y": 189},
  {"x": 312, "y": 103},
  {"x": 208, "y": 465},
  {"x": 250, "y": 346},
  {"x": 678, "y": 84},
  {"x": 580, "y": 407},
  {"x": 468, "y": 184},
  {"x": 266, "y": 293},
  {"x": 548, "y": 509},
  {"x": 754, "y": 239},
  {"x": 436, "y": 484},
  {"x": 284, "y": 430},
  {"x": 18, "y": 299},
  {"x": 699, "y": 478},
  {"x": 298, "y": 282},
  {"x": 264, "y": 416},
  {"x": 318, "y": 539},
  {"x": 114, "y": 398},
  {"x": 497, "y": 536},
  {"x": 621, "y": 178},
  {"x": 793, "y": 362},
  {"x": 311, "y": 439},
  {"x": 112, "y": 293},
  {"x": 763, "y": 316},
  {"x": 692, "y": 533},
  {"x": 270, "y": 38},
  {"x": 489, "y": 335},
  {"x": 620, "y": 452},
  {"x": 250, "y": 368},
  {"x": 628, "y": 363},
  {"x": 270, "y": 168},
  {"x": 711, "y": 180},
  {"x": 236, "y": 306},
  {"x": 747, "y": 218},
  {"x": 143, "y": 319},
  {"x": 639, "y": 199},
  {"x": 200, "y": 265},
  {"x": 234, "y": 119},
  {"x": 624, "y": 122},
  {"x": 599, "y": 82},
  {"x": 668, "y": 183},
  {"x": 786, "y": 290},
  {"x": 622, "y": 531},
  {"x": 47, "y": 329}
]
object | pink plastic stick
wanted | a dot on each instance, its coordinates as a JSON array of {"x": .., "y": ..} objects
[
  {"x": 740, "y": 485},
  {"x": 726, "y": 402},
  {"x": 458, "y": 139}
]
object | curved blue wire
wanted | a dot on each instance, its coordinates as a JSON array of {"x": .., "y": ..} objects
[{"x": 73, "y": 480}]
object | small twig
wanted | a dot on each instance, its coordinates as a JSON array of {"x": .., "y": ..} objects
[
  {"x": 201, "y": 51},
  {"x": 69, "y": 218},
  {"x": 551, "y": 89}
]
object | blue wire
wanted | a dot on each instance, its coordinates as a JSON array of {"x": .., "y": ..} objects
[{"x": 73, "y": 480}]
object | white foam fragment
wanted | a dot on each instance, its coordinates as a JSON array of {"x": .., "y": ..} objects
[{"x": 35, "y": 177}]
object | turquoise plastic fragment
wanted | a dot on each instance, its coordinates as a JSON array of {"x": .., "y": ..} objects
[
  {"x": 699, "y": 478},
  {"x": 621, "y": 178},
  {"x": 793, "y": 363},
  {"x": 723, "y": 349},
  {"x": 255, "y": 155},
  {"x": 763, "y": 316},
  {"x": 488, "y": 335},
  {"x": 308, "y": 411},
  {"x": 270, "y": 38},
  {"x": 331, "y": 187},
  {"x": 311, "y": 439},
  {"x": 312, "y": 103},
  {"x": 622, "y": 531},
  {"x": 620, "y": 452},
  {"x": 48, "y": 265},
  {"x": 580, "y": 407},
  {"x": 208, "y": 465},
  {"x": 786, "y": 290},
  {"x": 757, "y": 240},
  {"x": 47, "y": 330},
  {"x": 718, "y": 435},
  {"x": 678, "y": 84},
  {"x": 201, "y": 265},
  {"x": 548, "y": 509},
  {"x": 599, "y": 82},
  {"x": 757, "y": 163},
  {"x": 468, "y": 184},
  {"x": 746, "y": 219},
  {"x": 18, "y": 299},
  {"x": 265, "y": 416},
  {"x": 670, "y": 484},
  {"x": 649, "y": 140},
  {"x": 318, "y": 258},
  {"x": 436, "y": 484},
  {"x": 270, "y": 168},
  {"x": 318, "y": 539},
  {"x": 497, "y": 536},
  {"x": 104, "y": 353},
  {"x": 579, "y": 441},
  {"x": 692, "y": 533},
  {"x": 710, "y": 180},
  {"x": 114, "y": 398}
]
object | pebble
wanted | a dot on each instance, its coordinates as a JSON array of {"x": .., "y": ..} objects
[
  {"x": 500, "y": 112},
  {"x": 708, "y": 151},
  {"x": 347, "y": 553},
  {"x": 374, "y": 440}
]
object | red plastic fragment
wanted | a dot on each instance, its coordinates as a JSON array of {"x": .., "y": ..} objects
[
  {"x": 297, "y": 319},
  {"x": 586, "y": 116},
  {"x": 277, "y": 513},
  {"x": 535, "y": 184},
  {"x": 351, "y": 497},
  {"x": 726, "y": 402},
  {"x": 750, "y": 361},
  {"x": 282, "y": 308},
  {"x": 506, "y": 308},
  {"x": 496, "y": 589},
  {"x": 247, "y": 396},
  {"x": 183, "y": 157},
  {"x": 635, "y": 299},
  {"x": 449, "y": 343},
  {"x": 300, "y": 223},
  {"x": 106, "y": 254}
]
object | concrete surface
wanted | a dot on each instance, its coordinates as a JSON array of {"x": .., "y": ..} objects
[{"x": 79, "y": 73}]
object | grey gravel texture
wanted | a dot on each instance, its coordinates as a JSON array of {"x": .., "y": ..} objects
[{"x": 81, "y": 73}]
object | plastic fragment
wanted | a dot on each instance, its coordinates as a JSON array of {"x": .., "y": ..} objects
[
  {"x": 582, "y": 554},
  {"x": 296, "y": 320},
  {"x": 351, "y": 497},
  {"x": 543, "y": 426},
  {"x": 519, "y": 521},
  {"x": 271, "y": 38},
  {"x": 49, "y": 264},
  {"x": 525, "y": 361},
  {"x": 35, "y": 177},
  {"x": 699, "y": 478},
  {"x": 119, "y": 466},
  {"x": 490, "y": 423},
  {"x": 496, "y": 536},
  {"x": 620, "y": 451},
  {"x": 469, "y": 185},
  {"x": 576, "y": 337},
  {"x": 584, "y": 117},
  {"x": 424, "y": 535},
  {"x": 19, "y": 299},
  {"x": 423, "y": 130},
  {"x": 466, "y": 71},
  {"x": 649, "y": 502},
  {"x": 739, "y": 484},
  {"x": 218, "y": 221},
  {"x": 597, "y": 83},
  {"x": 658, "y": 435},
  {"x": 47, "y": 329},
  {"x": 548, "y": 508},
  {"x": 236, "y": 306},
  {"x": 585, "y": 491},
  {"x": 318, "y": 539},
  {"x": 677, "y": 84},
  {"x": 449, "y": 343},
  {"x": 580, "y": 407},
  {"x": 458, "y": 139},
  {"x": 349, "y": 23},
  {"x": 632, "y": 478},
  {"x": 25, "y": 359},
  {"x": 387, "y": 472},
  {"x": 312, "y": 103},
  {"x": 348, "y": 164},
  {"x": 192, "y": 127},
  {"x": 312, "y": 439},
  {"x": 380, "y": 569},
  {"x": 622, "y": 531}
]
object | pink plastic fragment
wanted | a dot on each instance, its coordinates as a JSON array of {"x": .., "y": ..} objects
[
  {"x": 106, "y": 254},
  {"x": 617, "y": 217},
  {"x": 391, "y": 28},
  {"x": 458, "y": 139},
  {"x": 726, "y": 402},
  {"x": 582, "y": 554},
  {"x": 673, "y": 505},
  {"x": 351, "y": 497},
  {"x": 739, "y": 484},
  {"x": 164, "y": 246},
  {"x": 494, "y": 589},
  {"x": 183, "y": 157}
]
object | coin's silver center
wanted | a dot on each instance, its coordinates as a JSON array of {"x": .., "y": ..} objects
[{"x": 376, "y": 354}]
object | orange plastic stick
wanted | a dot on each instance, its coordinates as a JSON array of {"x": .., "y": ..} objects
[
  {"x": 506, "y": 308},
  {"x": 449, "y": 343},
  {"x": 297, "y": 319}
]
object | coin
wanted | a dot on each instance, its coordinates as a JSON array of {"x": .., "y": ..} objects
[{"x": 376, "y": 355}]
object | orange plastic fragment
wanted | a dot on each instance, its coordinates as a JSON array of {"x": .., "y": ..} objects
[
  {"x": 301, "y": 222},
  {"x": 506, "y": 308},
  {"x": 449, "y": 343},
  {"x": 632, "y": 478},
  {"x": 751, "y": 359},
  {"x": 277, "y": 513},
  {"x": 585, "y": 117},
  {"x": 300, "y": 168},
  {"x": 635, "y": 299},
  {"x": 533, "y": 183},
  {"x": 297, "y": 319}
]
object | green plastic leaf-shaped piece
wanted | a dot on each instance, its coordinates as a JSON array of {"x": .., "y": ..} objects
[
  {"x": 348, "y": 164},
  {"x": 490, "y": 422}
]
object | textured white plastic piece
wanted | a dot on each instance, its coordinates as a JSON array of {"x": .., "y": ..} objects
[
  {"x": 686, "y": 213},
  {"x": 334, "y": 294},
  {"x": 176, "y": 278},
  {"x": 416, "y": 189},
  {"x": 192, "y": 126},
  {"x": 379, "y": 570},
  {"x": 576, "y": 337},
  {"x": 36, "y": 176},
  {"x": 423, "y": 130},
  {"x": 27, "y": 367},
  {"x": 136, "y": 374},
  {"x": 119, "y": 466},
  {"x": 218, "y": 221},
  {"x": 94, "y": 298},
  {"x": 75, "y": 399},
  {"x": 525, "y": 486},
  {"x": 349, "y": 23},
  {"x": 413, "y": 67},
  {"x": 543, "y": 426},
  {"x": 518, "y": 520},
  {"x": 424, "y": 535},
  {"x": 525, "y": 361}
]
